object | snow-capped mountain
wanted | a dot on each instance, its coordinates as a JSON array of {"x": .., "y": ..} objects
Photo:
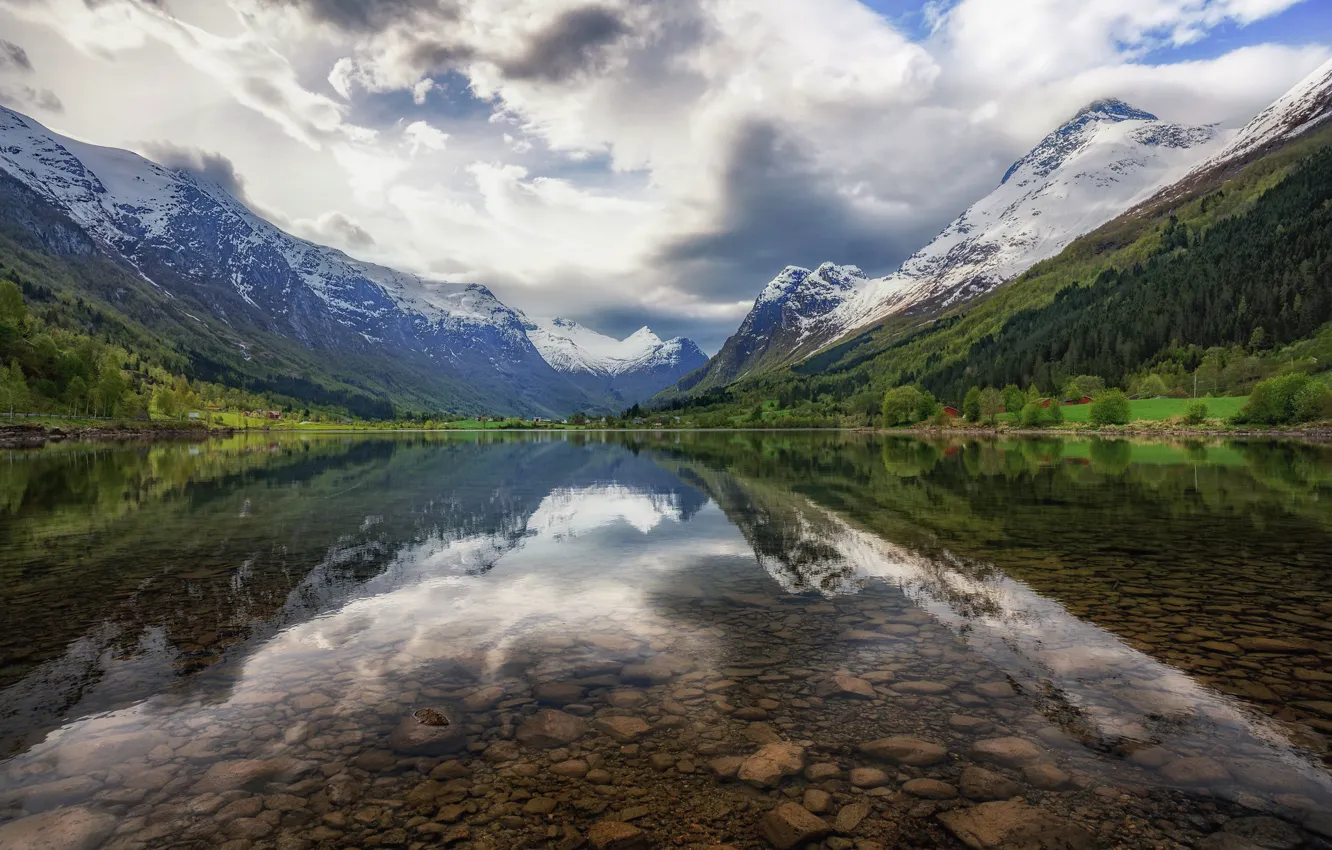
[
  {"x": 630, "y": 370},
  {"x": 1108, "y": 158},
  {"x": 1304, "y": 107},
  {"x": 262, "y": 289},
  {"x": 785, "y": 314}
]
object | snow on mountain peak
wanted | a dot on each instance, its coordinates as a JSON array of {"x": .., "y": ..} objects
[
  {"x": 1304, "y": 106},
  {"x": 571, "y": 348}
]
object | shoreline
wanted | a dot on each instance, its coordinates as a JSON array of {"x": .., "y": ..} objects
[
  {"x": 35, "y": 436},
  {"x": 30, "y": 436}
]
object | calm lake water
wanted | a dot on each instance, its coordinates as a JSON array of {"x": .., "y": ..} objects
[{"x": 666, "y": 640}]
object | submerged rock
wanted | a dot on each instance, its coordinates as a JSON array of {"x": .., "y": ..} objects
[
  {"x": 428, "y": 732},
  {"x": 773, "y": 762},
  {"x": 903, "y": 750},
  {"x": 791, "y": 825},
  {"x": 1014, "y": 826},
  {"x": 61, "y": 829},
  {"x": 549, "y": 728}
]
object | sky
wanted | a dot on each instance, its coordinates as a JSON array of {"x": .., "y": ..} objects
[{"x": 629, "y": 162}]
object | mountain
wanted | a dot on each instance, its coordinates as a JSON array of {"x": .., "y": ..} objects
[
  {"x": 780, "y": 323},
  {"x": 1108, "y": 158},
  {"x": 629, "y": 371},
  {"x": 255, "y": 305},
  {"x": 1221, "y": 276}
]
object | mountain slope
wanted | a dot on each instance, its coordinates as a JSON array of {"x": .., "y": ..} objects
[
  {"x": 282, "y": 300},
  {"x": 1220, "y": 268},
  {"x": 1105, "y": 160},
  {"x": 779, "y": 325},
  {"x": 628, "y": 371}
]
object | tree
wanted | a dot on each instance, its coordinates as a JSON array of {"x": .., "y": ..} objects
[
  {"x": 901, "y": 406},
  {"x": 1014, "y": 398},
  {"x": 1110, "y": 408},
  {"x": 991, "y": 402},
  {"x": 1287, "y": 399},
  {"x": 1033, "y": 415},
  {"x": 927, "y": 407},
  {"x": 76, "y": 394},
  {"x": 971, "y": 405},
  {"x": 1086, "y": 385},
  {"x": 1152, "y": 387}
]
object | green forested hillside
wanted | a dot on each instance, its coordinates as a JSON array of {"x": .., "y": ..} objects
[{"x": 1229, "y": 282}]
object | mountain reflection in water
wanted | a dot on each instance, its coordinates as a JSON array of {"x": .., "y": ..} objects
[{"x": 1150, "y": 616}]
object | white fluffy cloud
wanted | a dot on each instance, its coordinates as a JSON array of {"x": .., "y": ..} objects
[{"x": 627, "y": 158}]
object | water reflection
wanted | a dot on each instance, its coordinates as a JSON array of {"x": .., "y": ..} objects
[{"x": 199, "y": 628}]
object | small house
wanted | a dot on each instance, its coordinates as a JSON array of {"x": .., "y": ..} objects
[{"x": 951, "y": 412}]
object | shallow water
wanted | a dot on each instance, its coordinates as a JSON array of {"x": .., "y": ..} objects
[{"x": 226, "y": 642}]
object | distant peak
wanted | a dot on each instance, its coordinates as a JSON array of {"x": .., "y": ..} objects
[{"x": 1113, "y": 109}]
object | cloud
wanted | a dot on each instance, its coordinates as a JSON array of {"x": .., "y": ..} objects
[
  {"x": 420, "y": 134},
  {"x": 335, "y": 228},
  {"x": 205, "y": 165},
  {"x": 13, "y": 57},
  {"x": 636, "y": 156},
  {"x": 26, "y": 98},
  {"x": 568, "y": 45}
]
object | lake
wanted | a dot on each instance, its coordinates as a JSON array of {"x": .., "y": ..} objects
[{"x": 619, "y": 640}]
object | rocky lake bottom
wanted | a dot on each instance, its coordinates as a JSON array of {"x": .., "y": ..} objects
[{"x": 637, "y": 642}]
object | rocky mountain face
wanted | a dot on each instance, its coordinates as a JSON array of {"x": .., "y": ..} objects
[
  {"x": 784, "y": 321},
  {"x": 1108, "y": 158},
  {"x": 629, "y": 371},
  {"x": 273, "y": 297}
]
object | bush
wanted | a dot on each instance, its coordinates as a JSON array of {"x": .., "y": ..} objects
[
  {"x": 1014, "y": 399},
  {"x": 1285, "y": 400},
  {"x": 1196, "y": 413},
  {"x": 1033, "y": 415},
  {"x": 1110, "y": 408}
]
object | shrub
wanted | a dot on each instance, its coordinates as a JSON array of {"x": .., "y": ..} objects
[
  {"x": 1033, "y": 415},
  {"x": 1110, "y": 408},
  {"x": 1196, "y": 413},
  {"x": 927, "y": 407},
  {"x": 1286, "y": 399},
  {"x": 1014, "y": 398}
]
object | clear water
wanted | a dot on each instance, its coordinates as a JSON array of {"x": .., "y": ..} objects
[{"x": 215, "y": 643}]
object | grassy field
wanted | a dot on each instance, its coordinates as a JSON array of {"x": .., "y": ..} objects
[{"x": 1153, "y": 409}]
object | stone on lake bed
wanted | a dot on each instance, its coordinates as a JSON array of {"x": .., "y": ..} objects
[
  {"x": 426, "y": 735},
  {"x": 1010, "y": 752},
  {"x": 995, "y": 690},
  {"x": 847, "y": 686},
  {"x": 977, "y": 783},
  {"x": 573, "y": 768},
  {"x": 922, "y": 688},
  {"x": 822, "y": 771},
  {"x": 817, "y": 801},
  {"x": 850, "y": 816},
  {"x": 61, "y": 829},
  {"x": 929, "y": 789},
  {"x": 1277, "y": 645},
  {"x": 484, "y": 699},
  {"x": 1197, "y": 770},
  {"x": 1014, "y": 826},
  {"x": 626, "y": 698},
  {"x": 903, "y": 750},
  {"x": 1045, "y": 776},
  {"x": 624, "y": 730},
  {"x": 773, "y": 762},
  {"x": 791, "y": 825},
  {"x": 557, "y": 693},
  {"x": 237, "y": 774},
  {"x": 868, "y": 777},
  {"x": 863, "y": 636},
  {"x": 616, "y": 835},
  {"x": 549, "y": 728},
  {"x": 726, "y": 767}
]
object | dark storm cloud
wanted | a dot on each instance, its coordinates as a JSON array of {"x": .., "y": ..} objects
[
  {"x": 340, "y": 229},
  {"x": 27, "y": 98},
  {"x": 209, "y": 166},
  {"x": 368, "y": 16},
  {"x": 780, "y": 207},
  {"x": 13, "y": 57},
  {"x": 571, "y": 44}
]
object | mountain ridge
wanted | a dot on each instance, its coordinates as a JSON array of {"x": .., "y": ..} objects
[{"x": 274, "y": 295}]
